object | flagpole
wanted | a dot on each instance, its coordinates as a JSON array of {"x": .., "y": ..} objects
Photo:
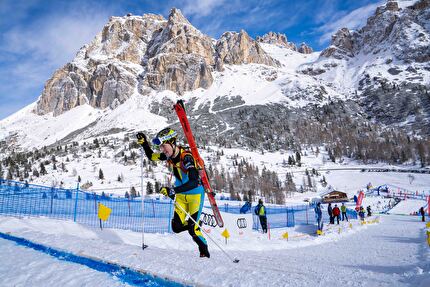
[{"x": 142, "y": 200}]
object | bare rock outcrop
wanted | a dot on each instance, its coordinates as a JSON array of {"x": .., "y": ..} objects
[
  {"x": 100, "y": 74},
  {"x": 179, "y": 57},
  {"x": 341, "y": 45},
  {"x": 305, "y": 49},
  {"x": 239, "y": 48},
  {"x": 276, "y": 39}
]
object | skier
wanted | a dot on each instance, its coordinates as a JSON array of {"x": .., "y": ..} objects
[
  {"x": 260, "y": 210},
  {"x": 188, "y": 192},
  {"x": 318, "y": 215},
  {"x": 343, "y": 209},
  {"x": 330, "y": 213},
  {"x": 336, "y": 213}
]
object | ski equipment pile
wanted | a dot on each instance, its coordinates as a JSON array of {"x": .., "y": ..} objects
[{"x": 182, "y": 116}]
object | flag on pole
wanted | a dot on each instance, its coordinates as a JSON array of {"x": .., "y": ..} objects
[{"x": 104, "y": 212}]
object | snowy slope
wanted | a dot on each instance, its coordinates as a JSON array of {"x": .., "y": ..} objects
[
  {"x": 32, "y": 268},
  {"x": 391, "y": 253}
]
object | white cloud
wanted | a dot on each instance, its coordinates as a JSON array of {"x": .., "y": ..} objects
[
  {"x": 31, "y": 50},
  {"x": 201, "y": 8},
  {"x": 353, "y": 20},
  {"x": 55, "y": 41}
]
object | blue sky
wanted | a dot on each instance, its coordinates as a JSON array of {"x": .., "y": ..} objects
[{"x": 39, "y": 36}]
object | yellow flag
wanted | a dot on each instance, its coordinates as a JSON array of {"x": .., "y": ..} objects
[
  {"x": 319, "y": 232},
  {"x": 428, "y": 224},
  {"x": 104, "y": 212},
  {"x": 225, "y": 233},
  {"x": 428, "y": 237},
  {"x": 339, "y": 230},
  {"x": 350, "y": 225},
  {"x": 285, "y": 235}
]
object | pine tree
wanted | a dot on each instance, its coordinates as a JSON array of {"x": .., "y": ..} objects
[
  {"x": 101, "y": 176},
  {"x": 133, "y": 192},
  {"x": 42, "y": 169},
  {"x": 298, "y": 159},
  {"x": 9, "y": 174},
  {"x": 149, "y": 188}
]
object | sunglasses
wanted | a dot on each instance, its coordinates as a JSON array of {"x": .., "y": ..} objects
[{"x": 159, "y": 140}]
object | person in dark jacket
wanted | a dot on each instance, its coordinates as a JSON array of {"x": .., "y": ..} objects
[
  {"x": 336, "y": 213},
  {"x": 361, "y": 213},
  {"x": 260, "y": 210},
  {"x": 318, "y": 215},
  {"x": 330, "y": 213},
  {"x": 369, "y": 211},
  {"x": 187, "y": 193},
  {"x": 423, "y": 215}
]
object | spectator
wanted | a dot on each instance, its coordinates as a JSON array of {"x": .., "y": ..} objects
[
  {"x": 336, "y": 213},
  {"x": 423, "y": 215},
  {"x": 260, "y": 210},
  {"x": 245, "y": 208},
  {"x": 369, "y": 211},
  {"x": 330, "y": 213},
  {"x": 318, "y": 215},
  {"x": 343, "y": 209},
  {"x": 361, "y": 213}
]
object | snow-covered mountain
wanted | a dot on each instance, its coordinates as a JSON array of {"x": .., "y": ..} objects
[{"x": 250, "y": 92}]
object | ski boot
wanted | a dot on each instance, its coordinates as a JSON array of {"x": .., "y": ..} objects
[{"x": 204, "y": 252}]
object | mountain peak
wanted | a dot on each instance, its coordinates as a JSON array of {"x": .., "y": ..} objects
[{"x": 177, "y": 17}]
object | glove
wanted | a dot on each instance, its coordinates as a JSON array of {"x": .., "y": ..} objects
[
  {"x": 141, "y": 138},
  {"x": 168, "y": 191}
]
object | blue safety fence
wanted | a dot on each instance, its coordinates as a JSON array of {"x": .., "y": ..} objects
[
  {"x": 23, "y": 199},
  {"x": 19, "y": 199}
]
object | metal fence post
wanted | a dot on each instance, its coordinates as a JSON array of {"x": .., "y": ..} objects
[
  {"x": 76, "y": 203},
  {"x": 307, "y": 219},
  {"x": 169, "y": 227}
]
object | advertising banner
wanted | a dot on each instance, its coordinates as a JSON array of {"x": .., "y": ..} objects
[{"x": 238, "y": 225}]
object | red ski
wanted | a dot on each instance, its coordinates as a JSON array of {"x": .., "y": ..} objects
[{"x": 180, "y": 111}]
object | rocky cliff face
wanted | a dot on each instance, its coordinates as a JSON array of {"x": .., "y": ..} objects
[
  {"x": 276, "y": 39},
  {"x": 137, "y": 53},
  {"x": 384, "y": 63},
  {"x": 239, "y": 48},
  {"x": 105, "y": 72},
  {"x": 179, "y": 57}
]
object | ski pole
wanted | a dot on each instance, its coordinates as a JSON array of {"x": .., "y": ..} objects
[
  {"x": 235, "y": 260},
  {"x": 142, "y": 200}
]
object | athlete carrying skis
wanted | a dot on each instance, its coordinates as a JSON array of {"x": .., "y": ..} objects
[{"x": 188, "y": 191}]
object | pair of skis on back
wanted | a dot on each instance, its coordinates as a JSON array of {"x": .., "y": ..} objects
[{"x": 183, "y": 119}]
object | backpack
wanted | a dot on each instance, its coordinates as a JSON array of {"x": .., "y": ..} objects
[{"x": 257, "y": 209}]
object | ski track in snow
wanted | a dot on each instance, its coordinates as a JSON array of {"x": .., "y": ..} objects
[
  {"x": 391, "y": 253},
  {"x": 21, "y": 266}
]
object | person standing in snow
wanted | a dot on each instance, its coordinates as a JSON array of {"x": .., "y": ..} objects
[
  {"x": 336, "y": 213},
  {"x": 318, "y": 215},
  {"x": 423, "y": 217},
  {"x": 330, "y": 213},
  {"x": 343, "y": 209},
  {"x": 260, "y": 210},
  {"x": 361, "y": 213},
  {"x": 369, "y": 211},
  {"x": 188, "y": 191}
]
